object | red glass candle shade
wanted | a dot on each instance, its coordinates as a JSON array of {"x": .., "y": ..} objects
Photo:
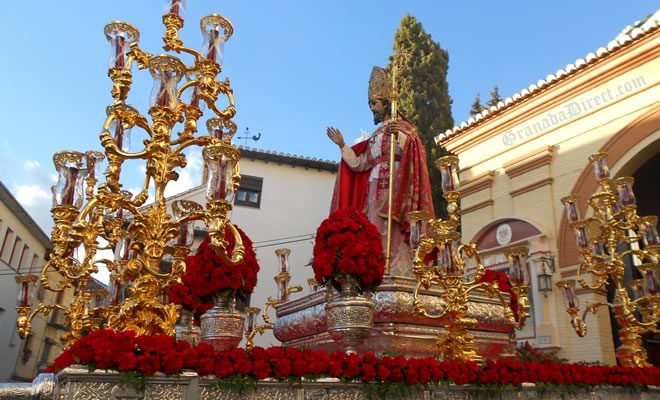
[
  {"x": 283, "y": 258},
  {"x": 221, "y": 166},
  {"x": 624, "y": 186},
  {"x": 649, "y": 230},
  {"x": 448, "y": 167},
  {"x": 166, "y": 71},
  {"x": 568, "y": 291},
  {"x": 216, "y": 30},
  {"x": 518, "y": 272},
  {"x": 599, "y": 162},
  {"x": 68, "y": 191},
  {"x": 120, "y": 35}
]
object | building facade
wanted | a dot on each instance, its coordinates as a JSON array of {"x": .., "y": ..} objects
[
  {"x": 519, "y": 158},
  {"x": 24, "y": 250},
  {"x": 281, "y": 202}
]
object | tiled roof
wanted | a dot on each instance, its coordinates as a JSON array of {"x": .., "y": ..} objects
[
  {"x": 629, "y": 35},
  {"x": 286, "y": 158}
]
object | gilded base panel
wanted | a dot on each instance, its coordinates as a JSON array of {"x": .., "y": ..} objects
[
  {"x": 76, "y": 384},
  {"x": 397, "y": 327}
]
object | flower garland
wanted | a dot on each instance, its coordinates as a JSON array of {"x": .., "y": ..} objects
[
  {"x": 347, "y": 243},
  {"x": 146, "y": 355},
  {"x": 504, "y": 285},
  {"x": 207, "y": 275}
]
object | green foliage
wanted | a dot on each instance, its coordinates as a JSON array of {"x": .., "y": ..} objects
[
  {"x": 494, "y": 97},
  {"x": 526, "y": 353},
  {"x": 424, "y": 94},
  {"x": 477, "y": 107},
  {"x": 134, "y": 380},
  {"x": 237, "y": 384},
  {"x": 392, "y": 390}
]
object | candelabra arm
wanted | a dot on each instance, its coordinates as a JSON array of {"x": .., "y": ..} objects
[
  {"x": 269, "y": 303},
  {"x": 185, "y": 86},
  {"x": 198, "y": 141},
  {"x": 228, "y": 112},
  {"x": 578, "y": 325},
  {"x": 137, "y": 54},
  {"x": 494, "y": 290},
  {"x": 419, "y": 305},
  {"x": 294, "y": 289},
  {"x": 25, "y": 317},
  {"x": 52, "y": 263}
]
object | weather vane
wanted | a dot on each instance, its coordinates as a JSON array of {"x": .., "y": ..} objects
[{"x": 248, "y": 137}]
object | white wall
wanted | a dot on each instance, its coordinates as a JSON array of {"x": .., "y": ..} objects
[{"x": 294, "y": 202}]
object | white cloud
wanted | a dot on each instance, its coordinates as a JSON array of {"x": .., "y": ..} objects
[
  {"x": 31, "y": 195},
  {"x": 31, "y": 164}
]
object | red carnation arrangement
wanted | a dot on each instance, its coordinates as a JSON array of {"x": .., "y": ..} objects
[
  {"x": 207, "y": 275},
  {"x": 347, "y": 243},
  {"x": 146, "y": 355},
  {"x": 504, "y": 286}
]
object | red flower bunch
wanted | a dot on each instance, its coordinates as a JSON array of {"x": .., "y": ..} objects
[
  {"x": 206, "y": 275},
  {"x": 504, "y": 285},
  {"x": 123, "y": 351},
  {"x": 347, "y": 243}
]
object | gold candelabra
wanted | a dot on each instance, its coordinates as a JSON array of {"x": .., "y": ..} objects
[
  {"x": 612, "y": 236},
  {"x": 142, "y": 236},
  {"x": 441, "y": 259},
  {"x": 282, "y": 280}
]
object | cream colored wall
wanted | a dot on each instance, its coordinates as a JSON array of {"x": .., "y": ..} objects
[
  {"x": 572, "y": 142},
  {"x": 294, "y": 201},
  {"x": 11, "y": 346}
]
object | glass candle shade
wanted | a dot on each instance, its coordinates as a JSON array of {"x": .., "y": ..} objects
[
  {"x": 447, "y": 258},
  {"x": 648, "y": 227},
  {"x": 599, "y": 251},
  {"x": 166, "y": 71},
  {"x": 177, "y": 7},
  {"x": 94, "y": 160},
  {"x": 125, "y": 252},
  {"x": 222, "y": 129},
  {"x": 599, "y": 161},
  {"x": 120, "y": 213},
  {"x": 418, "y": 221},
  {"x": 651, "y": 276},
  {"x": 116, "y": 290},
  {"x": 120, "y": 35},
  {"x": 282, "y": 289},
  {"x": 637, "y": 286},
  {"x": 448, "y": 167},
  {"x": 122, "y": 134},
  {"x": 283, "y": 259},
  {"x": 25, "y": 289},
  {"x": 568, "y": 291},
  {"x": 216, "y": 30},
  {"x": 582, "y": 235},
  {"x": 572, "y": 210},
  {"x": 518, "y": 272},
  {"x": 221, "y": 162},
  {"x": 186, "y": 231},
  {"x": 624, "y": 186},
  {"x": 68, "y": 191},
  {"x": 251, "y": 320}
]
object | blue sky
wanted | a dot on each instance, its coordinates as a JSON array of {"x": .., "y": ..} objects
[{"x": 296, "y": 67}]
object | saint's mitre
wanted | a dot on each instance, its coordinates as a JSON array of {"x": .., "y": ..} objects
[{"x": 379, "y": 84}]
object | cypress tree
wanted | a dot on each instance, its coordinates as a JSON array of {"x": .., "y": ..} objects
[
  {"x": 477, "y": 107},
  {"x": 424, "y": 94},
  {"x": 494, "y": 97}
]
